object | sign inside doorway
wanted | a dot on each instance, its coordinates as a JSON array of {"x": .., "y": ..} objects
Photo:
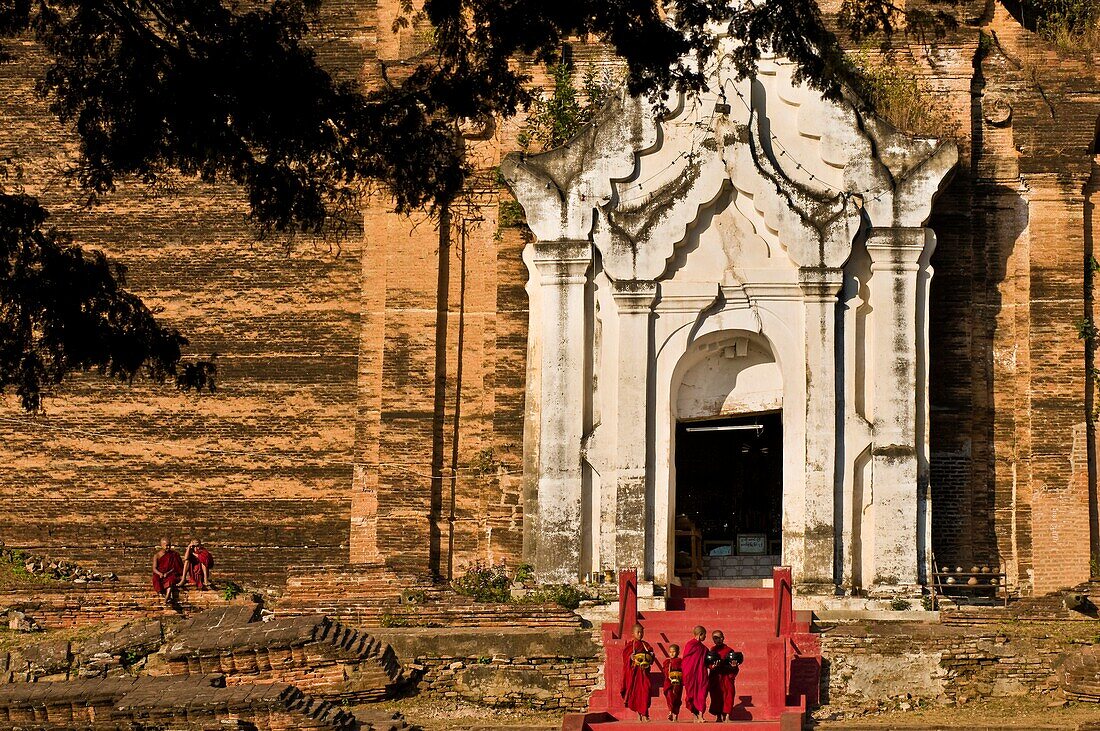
[{"x": 752, "y": 544}]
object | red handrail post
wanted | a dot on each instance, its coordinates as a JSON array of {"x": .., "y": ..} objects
[
  {"x": 778, "y": 678},
  {"x": 628, "y": 601},
  {"x": 783, "y": 594}
]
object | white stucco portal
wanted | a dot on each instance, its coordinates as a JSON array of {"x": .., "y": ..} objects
[
  {"x": 755, "y": 213},
  {"x": 744, "y": 389}
]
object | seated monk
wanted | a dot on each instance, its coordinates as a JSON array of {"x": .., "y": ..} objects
[
  {"x": 197, "y": 562},
  {"x": 167, "y": 571}
]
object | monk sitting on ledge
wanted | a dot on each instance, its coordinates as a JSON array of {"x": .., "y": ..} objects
[
  {"x": 167, "y": 571},
  {"x": 197, "y": 562}
]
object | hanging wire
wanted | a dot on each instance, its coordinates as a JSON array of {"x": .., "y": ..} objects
[
  {"x": 705, "y": 126},
  {"x": 783, "y": 152}
]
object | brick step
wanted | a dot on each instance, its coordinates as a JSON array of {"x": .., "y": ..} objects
[{"x": 679, "y": 630}]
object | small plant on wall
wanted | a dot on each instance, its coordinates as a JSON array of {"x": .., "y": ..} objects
[
  {"x": 557, "y": 118},
  {"x": 485, "y": 582},
  {"x": 898, "y": 95}
]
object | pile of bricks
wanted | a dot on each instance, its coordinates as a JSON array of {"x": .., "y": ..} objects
[
  {"x": 64, "y": 605},
  {"x": 319, "y": 656},
  {"x": 1079, "y": 675},
  {"x": 374, "y": 596},
  {"x": 111, "y": 653},
  {"x": 178, "y": 703}
]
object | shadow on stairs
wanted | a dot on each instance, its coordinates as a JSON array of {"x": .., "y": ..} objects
[{"x": 776, "y": 682}]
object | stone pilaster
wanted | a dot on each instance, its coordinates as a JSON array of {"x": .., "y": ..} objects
[
  {"x": 563, "y": 273},
  {"x": 635, "y": 304},
  {"x": 895, "y": 254},
  {"x": 815, "y": 567}
]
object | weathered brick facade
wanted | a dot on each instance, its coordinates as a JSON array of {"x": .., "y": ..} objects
[
  {"x": 1010, "y": 459},
  {"x": 322, "y": 439}
]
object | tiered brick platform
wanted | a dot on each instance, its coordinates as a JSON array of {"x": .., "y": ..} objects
[
  {"x": 778, "y": 679},
  {"x": 323, "y": 658},
  {"x": 374, "y": 596},
  {"x": 184, "y": 704}
]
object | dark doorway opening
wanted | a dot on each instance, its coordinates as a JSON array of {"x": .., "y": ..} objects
[{"x": 729, "y": 483}]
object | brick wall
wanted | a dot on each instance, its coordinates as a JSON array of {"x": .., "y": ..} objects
[
  {"x": 261, "y": 469},
  {"x": 546, "y": 669},
  {"x": 888, "y": 661},
  {"x": 547, "y": 684}
]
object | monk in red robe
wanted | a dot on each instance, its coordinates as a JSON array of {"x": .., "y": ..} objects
[
  {"x": 696, "y": 678},
  {"x": 167, "y": 571},
  {"x": 638, "y": 656},
  {"x": 197, "y": 562},
  {"x": 674, "y": 682},
  {"x": 723, "y": 669}
]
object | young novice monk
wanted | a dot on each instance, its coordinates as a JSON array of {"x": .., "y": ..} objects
[
  {"x": 695, "y": 674},
  {"x": 674, "y": 682},
  {"x": 637, "y": 657},
  {"x": 723, "y": 670}
]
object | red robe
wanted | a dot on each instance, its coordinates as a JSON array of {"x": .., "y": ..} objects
[
  {"x": 695, "y": 676},
  {"x": 199, "y": 557},
  {"x": 635, "y": 687},
  {"x": 674, "y": 688},
  {"x": 721, "y": 683},
  {"x": 171, "y": 565}
]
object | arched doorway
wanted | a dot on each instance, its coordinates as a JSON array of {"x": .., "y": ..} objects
[{"x": 728, "y": 461}]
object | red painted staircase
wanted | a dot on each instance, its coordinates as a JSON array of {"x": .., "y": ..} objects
[{"x": 776, "y": 682}]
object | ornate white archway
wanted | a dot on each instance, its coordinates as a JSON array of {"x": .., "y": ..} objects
[{"x": 756, "y": 207}]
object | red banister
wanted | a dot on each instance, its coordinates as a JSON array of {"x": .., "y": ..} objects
[{"x": 628, "y": 602}]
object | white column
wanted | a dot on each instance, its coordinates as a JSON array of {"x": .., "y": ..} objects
[
  {"x": 895, "y": 253},
  {"x": 563, "y": 273},
  {"x": 815, "y": 571},
  {"x": 635, "y": 305}
]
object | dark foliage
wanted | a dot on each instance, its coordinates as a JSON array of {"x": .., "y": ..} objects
[
  {"x": 199, "y": 375},
  {"x": 63, "y": 309},
  {"x": 232, "y": 91}
]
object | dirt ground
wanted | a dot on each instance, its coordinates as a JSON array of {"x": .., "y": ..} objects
[
  {"x": 455, "y": 715},
  {"x": 992, "y": 715},
  {"x": 1038, "y": 712}
]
